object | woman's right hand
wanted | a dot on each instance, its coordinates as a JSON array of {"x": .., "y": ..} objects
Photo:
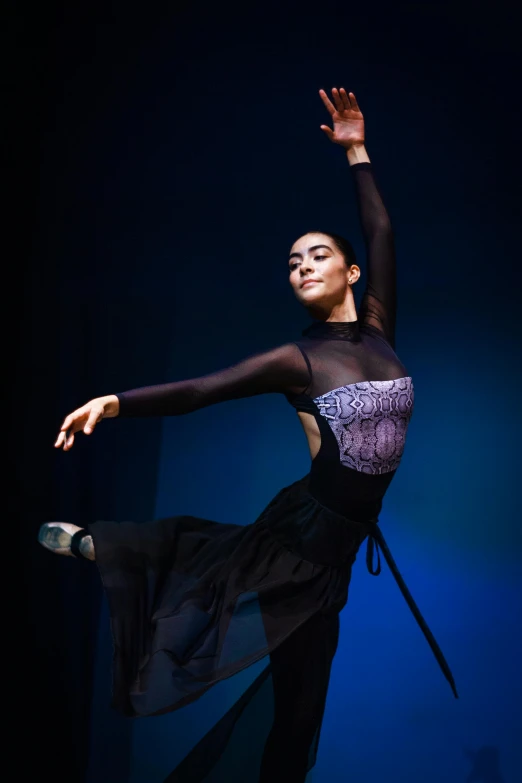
[{"x": 86, "y": 418}]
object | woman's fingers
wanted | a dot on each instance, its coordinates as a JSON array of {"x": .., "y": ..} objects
[
  {"x": 65, "y": 439},
  {"x": 345, "y": 98},
  {"x": 85, "y": 418},
  {"x": 344, "y": 101},
  {"x": 68, "y": 421},
  {"x": 329, "y": 132},
  {"x": 327, "y": 102},
  {"x": 337, "y": 99},
  {"x": 95, "y": 416},
  {"x": 62, "y": 435},
  {"x": 353, "y": 101}
]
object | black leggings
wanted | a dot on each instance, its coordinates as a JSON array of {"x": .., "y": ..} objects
[{"x": 300, "y": 673}]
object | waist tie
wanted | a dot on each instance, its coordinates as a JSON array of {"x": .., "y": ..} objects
[{"x": 376, "y": 539}]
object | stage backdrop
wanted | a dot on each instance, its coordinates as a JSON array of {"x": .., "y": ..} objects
[{"x": 183, "y": 156}]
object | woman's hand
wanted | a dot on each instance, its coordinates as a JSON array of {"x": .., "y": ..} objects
[
  {"x": 86, "y": 418},
  {"x": 348, "y": 122}
]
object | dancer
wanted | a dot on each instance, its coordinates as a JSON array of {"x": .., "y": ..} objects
[{"x": 193, "y": 601}]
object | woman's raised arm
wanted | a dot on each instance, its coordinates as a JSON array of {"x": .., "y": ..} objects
[{"x": 379, "y": 302}]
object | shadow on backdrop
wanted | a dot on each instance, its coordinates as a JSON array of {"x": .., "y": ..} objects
[{"x": 485, "y": 765}]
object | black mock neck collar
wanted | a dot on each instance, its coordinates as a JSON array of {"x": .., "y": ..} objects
[{"x": 333, "y": 330}]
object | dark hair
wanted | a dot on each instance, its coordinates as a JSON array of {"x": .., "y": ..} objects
[{"x": 342, "y": 245}]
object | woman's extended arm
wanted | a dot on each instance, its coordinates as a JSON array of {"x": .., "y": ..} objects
[
  {"x": 281, "y": 369},
  {"x": 379, "y": 302}
]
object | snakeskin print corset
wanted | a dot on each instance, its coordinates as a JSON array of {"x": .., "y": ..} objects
[{"x": 369, "y": 420}]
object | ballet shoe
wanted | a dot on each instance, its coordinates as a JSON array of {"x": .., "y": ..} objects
[{"x": 62, "y": 538}]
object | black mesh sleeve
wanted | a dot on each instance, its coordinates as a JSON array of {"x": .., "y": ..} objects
[
  {"x": 379, "y": 302},
  {"x": 281, "y": 369}
]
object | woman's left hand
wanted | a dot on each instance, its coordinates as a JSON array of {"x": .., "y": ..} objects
[{"x": 348, "y": 122}]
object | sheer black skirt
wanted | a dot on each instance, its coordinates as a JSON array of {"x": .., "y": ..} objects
[{"x": 193, "y": 601}]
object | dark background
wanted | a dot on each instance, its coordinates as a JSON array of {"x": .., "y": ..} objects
[{"x": 161, "y": 160}]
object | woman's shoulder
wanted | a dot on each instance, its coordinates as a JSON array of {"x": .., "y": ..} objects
[{"x": 373, "y": 331}]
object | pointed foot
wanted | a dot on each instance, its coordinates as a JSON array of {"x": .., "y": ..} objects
[{"x": 56, "y": 536}]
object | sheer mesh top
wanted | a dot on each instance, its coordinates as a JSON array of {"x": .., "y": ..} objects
[{"x": 346, "y": 374}]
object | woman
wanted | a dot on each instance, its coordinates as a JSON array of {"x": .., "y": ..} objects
[{"x": 193, "y": 601}]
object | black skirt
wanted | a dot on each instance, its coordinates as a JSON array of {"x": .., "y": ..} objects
[{"x": 193, "y": 601}]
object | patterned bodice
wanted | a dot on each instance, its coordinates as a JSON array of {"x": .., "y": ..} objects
[{"x": 369, "y": 420}]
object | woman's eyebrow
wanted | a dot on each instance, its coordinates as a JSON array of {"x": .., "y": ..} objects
[{"x": 314, "y": 247}]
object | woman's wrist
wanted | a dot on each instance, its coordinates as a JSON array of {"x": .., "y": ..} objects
[
  {"x": 111, "y": 406},
  {"x": 357, "y": 154}
]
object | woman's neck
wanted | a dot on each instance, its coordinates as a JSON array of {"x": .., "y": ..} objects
[
  {"x": 333, "y": 330},
  {"x": 342, "y": 313}
]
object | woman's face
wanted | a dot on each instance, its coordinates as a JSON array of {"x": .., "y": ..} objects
[{"x": 318, "y": 272}]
